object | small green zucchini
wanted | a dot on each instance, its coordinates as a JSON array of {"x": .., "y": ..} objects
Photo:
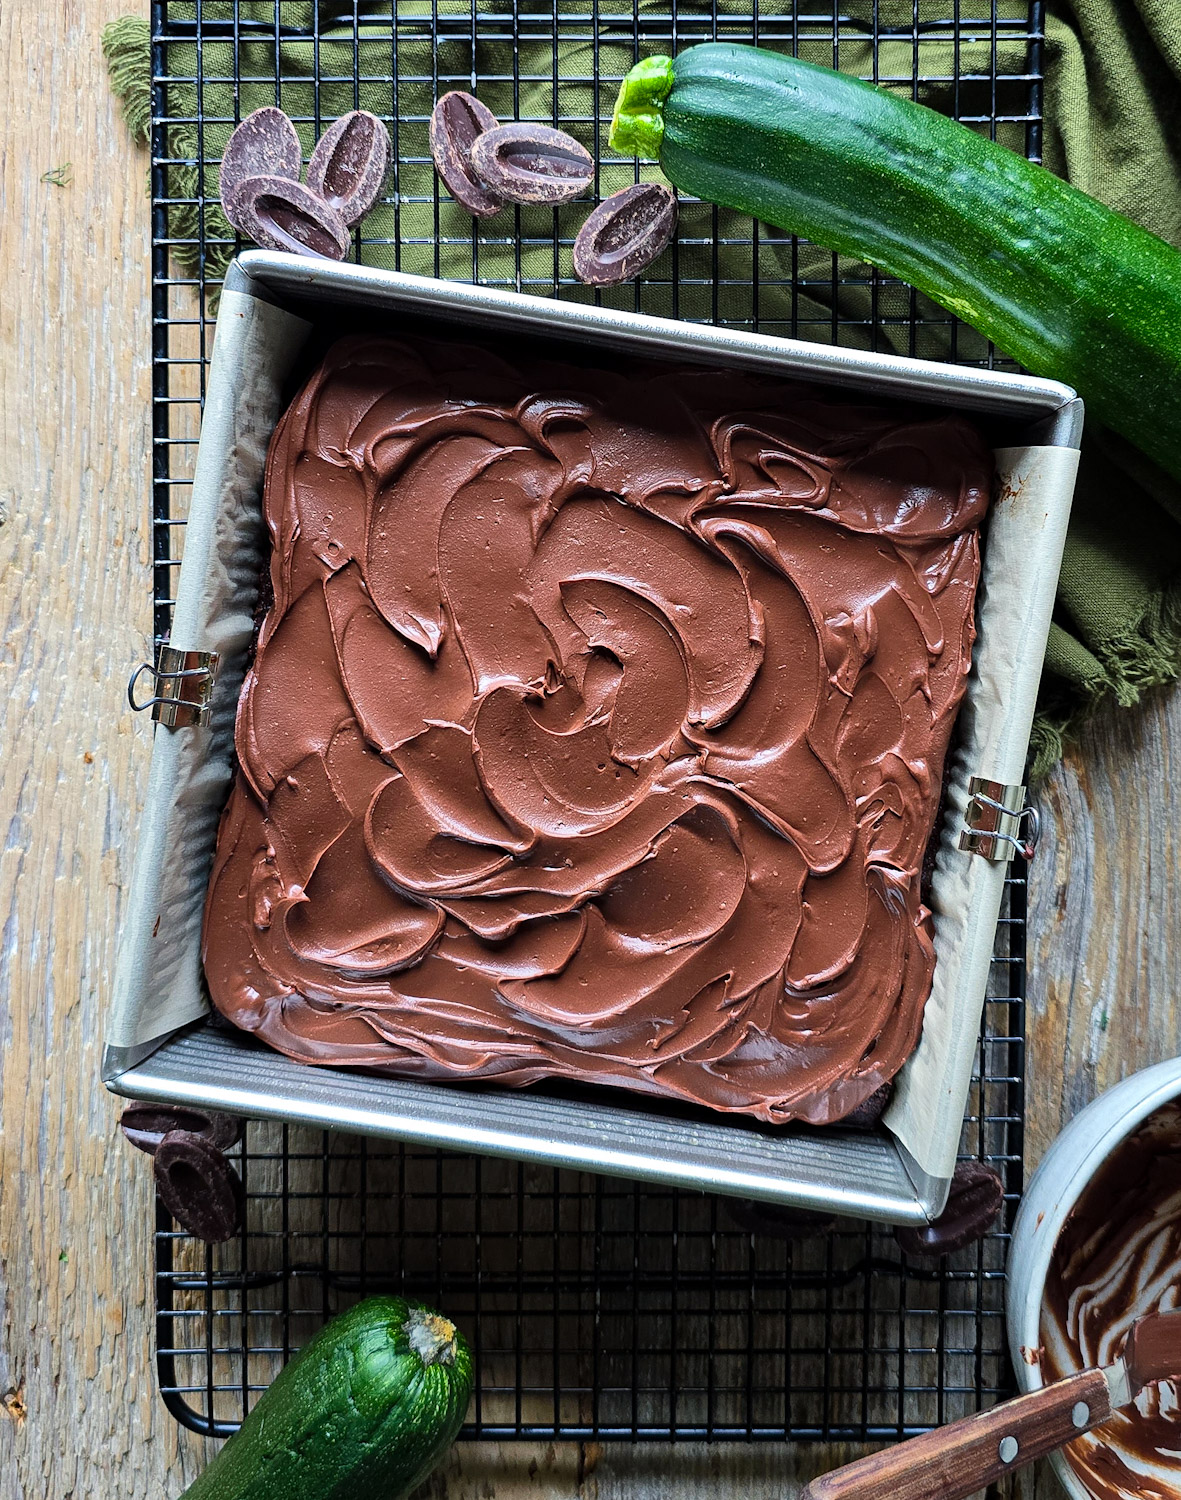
[
  {"x": 1056, "y": 280},
  {"x": 363, "y": 1413}
]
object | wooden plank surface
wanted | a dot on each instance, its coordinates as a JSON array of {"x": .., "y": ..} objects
[
  {"x": 79, "y": 1411},
  {"x": 80, "y": 1418},
  {"x": 1105, "y": 918}
]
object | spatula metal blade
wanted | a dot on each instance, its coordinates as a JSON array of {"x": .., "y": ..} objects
[{"x": 1153, "y": 1350}]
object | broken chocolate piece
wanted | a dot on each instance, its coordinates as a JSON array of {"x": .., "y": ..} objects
[
  {"x": 283, "y": 215},
  {"x": 145, "y": 1125},
  {"x": 264, "y": 144},
  {"x": 528, "y": 163},
  {"x": 777, "y": 1221},
  {"x": 198, "y": 1186},
  {"x": 869, "y": 1111},
  {"x": 456, "y": 121},
  {"x": 348, "y": 166},
  {"x": 625, "y": 234},
  {"x": 977, "y": 1196}
]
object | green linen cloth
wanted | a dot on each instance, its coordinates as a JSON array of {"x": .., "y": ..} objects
[{"x": 1113, "y": 127}]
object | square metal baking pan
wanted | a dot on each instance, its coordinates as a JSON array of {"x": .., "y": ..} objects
[{"x": 161, "y": 1042}]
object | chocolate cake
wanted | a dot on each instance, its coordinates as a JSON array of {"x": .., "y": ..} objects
[{"x": 596, "y": 728}]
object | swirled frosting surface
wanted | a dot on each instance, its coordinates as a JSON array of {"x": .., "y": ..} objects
[
  {"x": 596, "y": 728},
  {"x": 1118, "y": 1257}
]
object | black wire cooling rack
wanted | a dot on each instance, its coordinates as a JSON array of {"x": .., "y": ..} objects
[{"x": 596, "y": 1309}]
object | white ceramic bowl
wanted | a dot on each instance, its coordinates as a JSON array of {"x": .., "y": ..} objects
[{"x": 1054, "y": 1189}]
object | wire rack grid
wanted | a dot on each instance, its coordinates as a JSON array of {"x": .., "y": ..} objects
[{"x": 596, "y": 1309}]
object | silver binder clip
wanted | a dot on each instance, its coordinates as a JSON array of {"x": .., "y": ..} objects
[
  {"x": 182, "y": 687},
  {"x": 999, "y": 822}
]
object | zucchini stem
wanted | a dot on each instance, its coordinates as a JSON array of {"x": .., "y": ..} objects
[
  {"x": 431, "y": 1336},
  {"x": 637, "y": 126}
]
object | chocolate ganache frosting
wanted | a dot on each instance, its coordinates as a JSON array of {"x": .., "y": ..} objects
[
  {"x": 1118, "y": 1257},
  {"x": 596, "y": 728}
]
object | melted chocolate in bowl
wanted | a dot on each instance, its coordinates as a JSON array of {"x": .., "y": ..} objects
[
  {"x": 1118, "y": 1257},
  {"x": 596, "y": 728}
]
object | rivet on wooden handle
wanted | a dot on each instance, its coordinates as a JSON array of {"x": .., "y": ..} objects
[{"x": 953, "y": 1462}]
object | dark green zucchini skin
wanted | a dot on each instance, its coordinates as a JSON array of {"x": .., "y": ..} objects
[
  {"x": 1056, "y": 280},
  {"x": 356, "y": 1415}
]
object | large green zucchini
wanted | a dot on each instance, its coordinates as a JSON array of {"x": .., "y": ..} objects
[
  {"x": 1055, "y": 279},
  {"x": 363, "y": 1413}
]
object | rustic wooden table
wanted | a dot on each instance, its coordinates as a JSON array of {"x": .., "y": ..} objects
[{"x": 79, "y": 1414}]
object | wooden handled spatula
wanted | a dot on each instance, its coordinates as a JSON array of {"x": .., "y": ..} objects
[{"x": 953, "y": 1462}]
